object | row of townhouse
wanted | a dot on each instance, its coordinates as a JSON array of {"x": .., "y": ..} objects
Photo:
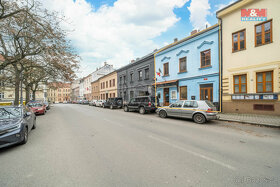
[
  {"x": 235, "y": 64},
  {"x": 59, "y": 92}
]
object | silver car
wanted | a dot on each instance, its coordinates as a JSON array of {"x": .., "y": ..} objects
[{"x": 199, "y": 111}]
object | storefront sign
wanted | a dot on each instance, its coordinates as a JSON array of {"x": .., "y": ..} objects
[
  {"x": 255, "y": 97},
  {"x": 254, "y": 14}
]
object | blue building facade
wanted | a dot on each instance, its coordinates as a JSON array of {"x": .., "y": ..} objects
[{"x": 189, "y": 69}]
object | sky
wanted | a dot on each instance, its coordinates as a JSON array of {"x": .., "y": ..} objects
[{"x": 118, "y": 31}]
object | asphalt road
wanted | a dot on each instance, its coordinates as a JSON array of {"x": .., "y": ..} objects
[{"x": 76, "y": 145}]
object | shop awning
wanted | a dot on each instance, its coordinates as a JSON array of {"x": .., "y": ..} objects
[{"x": 167, "y": 83}]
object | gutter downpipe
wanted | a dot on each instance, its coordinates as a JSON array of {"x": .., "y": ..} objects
[{"x": 221, "y": 62}]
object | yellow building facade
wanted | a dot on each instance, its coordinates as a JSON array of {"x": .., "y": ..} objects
[
  {"x": 108, "y": 86},
  {"x": 250, "y": 58}
]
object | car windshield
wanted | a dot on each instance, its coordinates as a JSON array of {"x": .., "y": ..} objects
[
  {"x": 35, "y": 104},
  {"x": 10, "y": 112}
]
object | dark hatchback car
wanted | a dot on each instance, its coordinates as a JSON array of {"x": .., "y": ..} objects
[
  {"x": 15, "y": 124},
  {"x": 142, "y": 104},
  {"x": 112, "y": 103}
]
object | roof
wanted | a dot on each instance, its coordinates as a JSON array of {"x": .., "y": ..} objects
[
  {"x": 187, "y": 38},
  {"x": 140, "y": 60},
  {"x": 2, "y": 58},
  {"x": 232, "y": 7}
]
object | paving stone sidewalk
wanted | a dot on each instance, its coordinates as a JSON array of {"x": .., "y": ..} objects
[{"x": 256, "y": 119}]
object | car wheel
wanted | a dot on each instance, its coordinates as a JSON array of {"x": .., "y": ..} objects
[
  {"x": 199, "y": 118},
  {"x": 111, "y": 107},
  {"x": 142, "y": 110},
  {"x": 126, "y": 109},
  {"x": 25, "y": 136},
  {"x": 162, "y": 114},
  {"x": 34, "y": 124}
]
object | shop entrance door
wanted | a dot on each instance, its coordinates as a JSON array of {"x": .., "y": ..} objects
[
  {"x": 206, "y": 92},
  {"x": 166, "y": 96}
]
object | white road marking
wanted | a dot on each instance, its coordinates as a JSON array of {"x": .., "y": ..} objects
[{"x": 194, "y": 153}]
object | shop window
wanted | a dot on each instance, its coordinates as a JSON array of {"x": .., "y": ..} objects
[
  {"x": 205, "y": 58},
  {"x": 263, "y": 33},
  {"x": 265, "y": 82},
  {"x": 173, "y": 94},
  {"x": 183, "y": 93},
  {"x": 240, "y": 83},
  {"x": 238, "y": 41},
  {"x": 183, "y": 64}
]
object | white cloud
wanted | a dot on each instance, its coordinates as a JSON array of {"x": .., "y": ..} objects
[
  {"x": 117, "y": 33},
  {"x": 220, "y": 6},
  {"x": 199, "y": 10}
]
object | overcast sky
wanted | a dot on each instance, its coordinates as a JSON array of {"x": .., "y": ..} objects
[{"x": 118, "y": 31}]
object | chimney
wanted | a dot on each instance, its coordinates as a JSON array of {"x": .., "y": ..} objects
[
  {"x": 137, "y": 58},
  {"x": 194, "y": 32},
  {"x": 175, "y": 40},
  {"x": 105, "y": 63},
  {"x": 132, "y": 61},
  {"x": 155, "y": 50}
]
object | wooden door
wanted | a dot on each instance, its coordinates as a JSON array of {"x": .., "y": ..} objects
[
  {"x": 206, "y": 92},
  {"x": 166, "y": 96}
]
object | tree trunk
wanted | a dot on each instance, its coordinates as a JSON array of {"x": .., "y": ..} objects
[
  {"x": 33, "y": 94},
  {"x": 27, "y": 94},
  {"x": 17, "y": 84}
]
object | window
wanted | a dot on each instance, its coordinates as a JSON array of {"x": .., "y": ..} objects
[
  {"x": 110, "y": 83},
  {"x": 205, "y": 58},
  {"x": 113, "y": 82},
  {"x": 1, "y": 95},
  {"x": 166, "y": 69},
  {"x": 173, "y": 94},
  {"x": 131, "y": 94},
  {"x": 238, "y": 41},
  {"x": 240, "y": 83},
  {"x": 106, "y": 84},
  {"x": 183, "y": 64},
  {"x": 183, "y": 93},
  {"x": 265, "y": 107},
  {"x": 265, "y": 82},
  {"x": 120, "y": 80},
  {"x": 1, "y": 83},
  {"x": 124, "y": 79},
  {"x": 178, "y": 104},
  {"x": 103, "y": 85},
  {"x": 190, "y": 104},
  {"x": 263, "y": 33},
  {"x": 140, "y": 75},
  {"x": 131, "y": 77},
  {"x": 147, "y": 73}
]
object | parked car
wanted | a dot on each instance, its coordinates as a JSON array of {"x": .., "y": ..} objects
[
  {"x": 199, "y": 111},
  {"x": 92, "y": 102},
  {"x": 85, "y": 102},
  {"x": 142, "y": 104},
  {"x": 15, "y": 124},
  {"x": 37, "y": 107},
  {"x": 100, "y": 103},
  {"x": 47, "y": 105},
  {"x": 112, "y": 103}
]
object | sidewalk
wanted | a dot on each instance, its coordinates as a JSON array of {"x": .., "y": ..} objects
[{"x": 256, "y": 119}]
